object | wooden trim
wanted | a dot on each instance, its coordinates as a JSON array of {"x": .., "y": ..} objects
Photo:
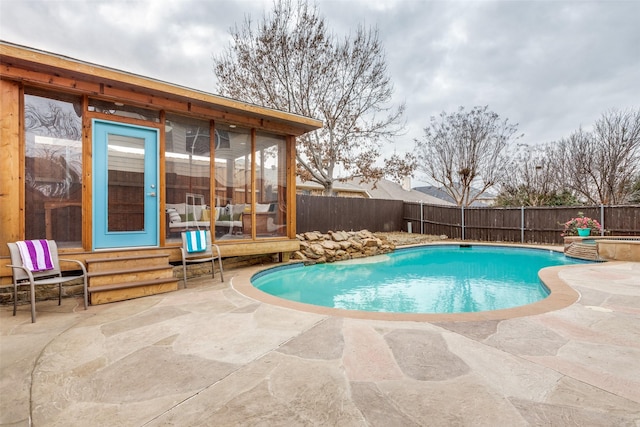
[
  {"x": 73, "y": 74},
  {"x": 87, "y": 181},
  {"x": 291, "y": 187},
  {"x": 253, "y": 184},
  {"x": 146, "y": 100},
  {"x": 21, "y": 164},
  {"x": 212, "y": 166},
  {"x": 162, "y": 182},
  {"x": 11, "y": 165},
  {"x": 123, "y": 120}
]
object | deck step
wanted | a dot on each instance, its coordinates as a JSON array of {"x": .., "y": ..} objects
[
  {"x": 121, "y": 278},
  {"x": 116, "y": 286},
  {"x": 99, "y": 278},
  {"x": 123, "y": 291},
  {"x": 95, "y": 265}
]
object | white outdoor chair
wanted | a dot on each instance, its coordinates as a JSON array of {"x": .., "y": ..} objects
[
  {"x": 22, "y": 276},
  {"x": 201, "y": 256}
]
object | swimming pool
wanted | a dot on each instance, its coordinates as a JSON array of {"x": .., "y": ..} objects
[{"x": 427, "y": 279}]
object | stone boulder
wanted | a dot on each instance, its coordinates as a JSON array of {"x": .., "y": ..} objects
[{"x": 316, "y": 247}]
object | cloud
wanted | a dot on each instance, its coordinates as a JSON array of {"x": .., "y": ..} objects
[{"x": 550, "y": 66}]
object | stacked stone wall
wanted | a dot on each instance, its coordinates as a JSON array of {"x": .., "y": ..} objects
[{"x": 316, "y": 247}]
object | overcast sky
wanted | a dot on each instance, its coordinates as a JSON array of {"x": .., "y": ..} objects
[{"x": 550, "y": 66}]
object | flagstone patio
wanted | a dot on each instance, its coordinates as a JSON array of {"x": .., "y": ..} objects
[{"x": 209, "y": 355}]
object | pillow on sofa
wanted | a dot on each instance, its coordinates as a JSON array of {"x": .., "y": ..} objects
[
  {"x": 174, "y": 216},
  {"x": 178, "y": 207},
  {"x": 262, "y": 207},
  {"x": 227, "y": 217},
  {"x": 188, "y": 217}
]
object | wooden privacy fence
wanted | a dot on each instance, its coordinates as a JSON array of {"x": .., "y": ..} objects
[
  {"x": 319, "y": 213},
  {"x": 524, "y": 224}
]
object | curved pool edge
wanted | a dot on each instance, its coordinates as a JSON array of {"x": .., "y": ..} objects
[{"x": 561, "y": 296}]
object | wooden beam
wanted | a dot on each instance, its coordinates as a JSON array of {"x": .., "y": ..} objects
[
  {"x": 11, "y": 165},
  {"x": 87, "y": 177},
  {"x": 162, "y": 180},
  {"x": 135, "y": 96},
  {"x": 14, "y": 57},
  {"x": 291, "y": 187},
  {"x": 252, "y": 184}
]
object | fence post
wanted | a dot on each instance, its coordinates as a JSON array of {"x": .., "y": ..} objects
[
  {"x": 462, "y": 222},
  {"x": 601, "y": 219},
  {"x": 421, "y": 218},
  {"x": 521, "y": 224}
]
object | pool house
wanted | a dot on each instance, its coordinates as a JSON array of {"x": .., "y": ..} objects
[{"x": 114, "y": 166}]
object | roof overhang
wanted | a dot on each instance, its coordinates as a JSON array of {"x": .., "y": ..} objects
[{"x": 112, "y": 82}]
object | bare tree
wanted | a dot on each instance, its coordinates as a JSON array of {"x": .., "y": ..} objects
[
  {"x": 601, "y": 166},
  {"x": 464, "y": 152},
  {"x": 290, "y": 62},
  {"x": 532, "y": 180},
  {"x": 635, "y": 195},
  {"x": 617, "y": 161}
]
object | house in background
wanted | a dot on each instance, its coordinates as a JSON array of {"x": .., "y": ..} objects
[
  {"x": 486, "y": 199},
  {"x": 340, "y": 189},
  {"x": 384, "y": 189},
  {"x": 389, "y": 190},
  {"x": 114, "y": 165}
]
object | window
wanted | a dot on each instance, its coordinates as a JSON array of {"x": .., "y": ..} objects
[
  {"x": 121, "y": 110},
  {"x": 53, "y": 167},
  {"x": 271, "y": 185},
  {"x": 187, "y": 175},
  {"x": 233, "y": 182}
]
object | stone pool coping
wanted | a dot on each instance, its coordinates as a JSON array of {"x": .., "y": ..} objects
[{"x": 561, "y": 296}]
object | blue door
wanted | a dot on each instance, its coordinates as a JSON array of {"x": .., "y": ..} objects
[{"x": 125, "y": 185}]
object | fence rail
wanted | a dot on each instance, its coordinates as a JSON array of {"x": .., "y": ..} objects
[{"x": 521, "y": 224}]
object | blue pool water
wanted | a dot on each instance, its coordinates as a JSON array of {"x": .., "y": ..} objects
[{"x": 429, "y": 279}]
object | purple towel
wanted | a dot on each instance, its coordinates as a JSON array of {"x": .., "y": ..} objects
[{"x": 35, "y": 255}]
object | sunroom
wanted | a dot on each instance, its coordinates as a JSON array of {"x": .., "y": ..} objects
[{"x": 112, "y": 164}]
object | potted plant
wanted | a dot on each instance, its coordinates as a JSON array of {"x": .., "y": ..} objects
[{"x": 581, "y": 226}]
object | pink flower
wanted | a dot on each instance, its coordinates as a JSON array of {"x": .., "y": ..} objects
[{"x": 581, "y": 221}]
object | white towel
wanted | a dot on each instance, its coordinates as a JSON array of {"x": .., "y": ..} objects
[
  {"x": 35, "y": 255},
  {"x": 196, "y": 241}
]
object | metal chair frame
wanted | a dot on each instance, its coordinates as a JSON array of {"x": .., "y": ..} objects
[
  {"x": 22, "y": 276},
  {"x": 203, "y": 256}
]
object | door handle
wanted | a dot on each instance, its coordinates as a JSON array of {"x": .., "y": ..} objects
[{"x": 152, "y": 194}]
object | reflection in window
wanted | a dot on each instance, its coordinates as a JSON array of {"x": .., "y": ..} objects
[
  {"x": 271, "y": 185},
  {"x": 187, "y": 175},
  {"x": 233, "y": 182},
  {"x": 53, "y": 167},
  {"x": 121, "y": 110}
]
